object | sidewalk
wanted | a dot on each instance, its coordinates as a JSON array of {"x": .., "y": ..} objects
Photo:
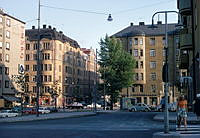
[
  {"x": 192, "y": 131},
  {"x": 46, "y": 116},
  {"x": 191, "y": 119}
]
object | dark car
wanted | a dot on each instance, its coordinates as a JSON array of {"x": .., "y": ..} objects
[
  {"x": 52, "y": 109},
  {"x": 28, "y": 110}
]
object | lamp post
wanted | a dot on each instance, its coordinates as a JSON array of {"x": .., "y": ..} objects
[{"x": 165, "y": 68}]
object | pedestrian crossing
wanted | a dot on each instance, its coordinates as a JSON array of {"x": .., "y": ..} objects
[{"x": 191, "y": 129}]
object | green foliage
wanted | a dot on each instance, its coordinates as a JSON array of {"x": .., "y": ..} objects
[{"x": 116, "y": 66}]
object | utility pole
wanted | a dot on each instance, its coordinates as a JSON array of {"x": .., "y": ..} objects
[{"x": 38, "y": 63}]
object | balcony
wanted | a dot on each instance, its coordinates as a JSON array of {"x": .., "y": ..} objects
[
  {"x": 185, "y": 40},
  {"x": 184, "y": 7}
]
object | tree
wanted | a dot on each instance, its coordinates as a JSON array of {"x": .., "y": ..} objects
[
  {"x": 21, "y": 81},
  {"x": 118, "y": 66}
]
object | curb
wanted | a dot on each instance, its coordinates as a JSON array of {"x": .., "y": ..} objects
[
  {"x": 47, "y": 118},
  {"x": 155, "y": 118}
]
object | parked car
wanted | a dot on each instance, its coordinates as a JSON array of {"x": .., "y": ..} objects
[
  {"x": 93, "y": 105},
  {"x": 27, "y": 110},
  {"x": 140, "y": 107},
  {"x": 75, "y": 105},
  {"x": 44, "y": 110},
  {"x": 52, "y": 109},
  {"x": 8, "y": 113},
  {"x": 172, "y": 107}
]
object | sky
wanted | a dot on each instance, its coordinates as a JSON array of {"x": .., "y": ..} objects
[{"x": 88, "y": 28}]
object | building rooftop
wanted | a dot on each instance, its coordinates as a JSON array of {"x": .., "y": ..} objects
[
  {"x": 144, "y": 30},
  {"x": 51, "y": 34},
  {"x": 5, "y": 14}
]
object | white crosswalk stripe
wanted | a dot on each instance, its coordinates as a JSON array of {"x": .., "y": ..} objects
[{"x": 191, "y": 129}]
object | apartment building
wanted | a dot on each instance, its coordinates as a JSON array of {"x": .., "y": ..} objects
[
  {"x": 189, "y": 47},
  {"x": 63, "y": 65},
  {"x": 12, "y": 41},
  {"x": 146, "y": 45}
]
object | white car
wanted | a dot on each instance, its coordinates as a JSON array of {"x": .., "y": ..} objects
[
  {"x": 8, "y": 113},
  {"x": 44, "y": 110},
  {"x": 92, "y": 105}
]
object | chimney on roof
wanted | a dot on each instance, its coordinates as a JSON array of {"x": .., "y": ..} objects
[
  {"x": 159, "y": 22},
  {"x": 33, "y": 27},
  {"x": 49, "y": 26},
  {"x": 60, "y": 32},
  {"x": 141, "y": 23},
  {"x": 54, "y": 29},
  {"x": 44, "y": 26},
  {"x": 131, "y": 24}
]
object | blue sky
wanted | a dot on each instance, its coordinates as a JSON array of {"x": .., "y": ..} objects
[{"x": 86, "y": 28}]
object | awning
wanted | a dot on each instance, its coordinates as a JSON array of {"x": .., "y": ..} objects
[{"x": 11, "y": 98}]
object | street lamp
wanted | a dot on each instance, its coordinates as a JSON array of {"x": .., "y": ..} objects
[{"x": 165, "y": 68}]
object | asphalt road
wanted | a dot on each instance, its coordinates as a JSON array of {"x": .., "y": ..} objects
[{"x": 103, "y": 125}]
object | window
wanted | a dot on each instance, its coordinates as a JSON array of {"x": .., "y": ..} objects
[
  {"x": 1, "y": 70},
  {"x": 141, "y": 88},
  {"x": 45, "y": 78},
  {"x": 141, "y": 76},
  {"x": 141, "y": 41},
  {"x": 59, "y": 79},
  {"x": 7, "y": 58},
  {"x": 136, "y": 76},
  {"x": 49, "y": 78},
  {"x": 136, "y": 66},
  {"x": 34, "y": 78},
  {"x": 46, "y": 46},
  {"x": 153, "y": 76},
  {"x": 141, "y": 53},
  {"x": 130, "y": 51},
  {"x": 1, "y": 44},
  {"x": 8, "y": 22},
  {"x": 59, "y": 68},
  {"x": 153, "y": 88},
  {"x": 35, "y": 46},
  {"x": 49, "y": 67},
  {"x": 7, "y": 45},
  {"x": 135, "y": 41},
  {"x": 34, "y": 67},
  {"x": 133, "y": 88},
  {"x": 141, "y": 64},
  {"x": 1, "y": 19},
  {"x": 130, "y": 42},
  {"x": 7, "y": 70},
  {"x": 27, "y": 57},
  {"x": 45, "y": 67},
  {"x": 27, "y": 46},
  {"x": 26, "y": 78},
  {"x": 152, "y": 52},
  {"x": 46, "y": 56},
  {"x": 164, "y": 52},
  {"x": 34, "y": 56},
  {"x": 163, "y": 41},
  {"x": 60, "y": 47},
  {"x": 26, "y": 67},
  {"x": 8, "y": 34},
  {"x": 34, "y": 89},
  {"x": 135, "y": 53},
  {"x": 152, "y": 41},
  {"x": 6, "y": 84},
  {"x": 152, "y": 64},
  {"x": 1, "y": 57}
]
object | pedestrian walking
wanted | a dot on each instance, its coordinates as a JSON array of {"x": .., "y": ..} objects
[
  {"x": 182, "y": 111},
  {"x": 197, "y": 106}
]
